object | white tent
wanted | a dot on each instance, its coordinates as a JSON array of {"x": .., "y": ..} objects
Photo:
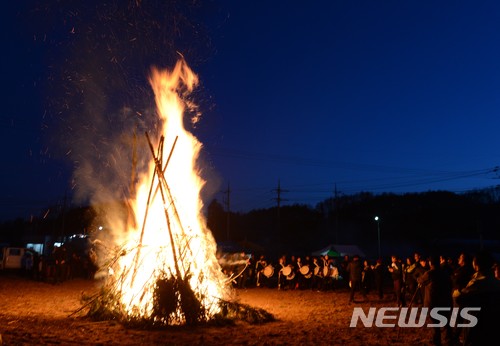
[{"x": 334, "y": 250}]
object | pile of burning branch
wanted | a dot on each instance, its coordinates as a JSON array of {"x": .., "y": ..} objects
[
  {"x": 164, "y": 269},
  {"x": 167, "y": 296}
]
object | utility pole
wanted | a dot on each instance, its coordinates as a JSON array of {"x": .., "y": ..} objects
[
  {"x": 377, "y": 219},
  {"x": 278, "y": 204},
  {"x": 335, "y": 209},
  {"x": 228, "y": 209}
]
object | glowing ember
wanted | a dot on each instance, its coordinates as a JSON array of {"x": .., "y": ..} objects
[{"x": 166, "y": 241}]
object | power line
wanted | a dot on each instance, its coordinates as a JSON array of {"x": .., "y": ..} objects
[
  {"x": 301, "y": 161},
  {"x": 399, "y": 178},
  {"x": 250, "y": 198}
]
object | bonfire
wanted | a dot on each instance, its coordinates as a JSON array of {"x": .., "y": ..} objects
[{"x": 162, "y": 269}]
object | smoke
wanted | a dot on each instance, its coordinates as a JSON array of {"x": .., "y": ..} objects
[{"x": 98, "y": 100}]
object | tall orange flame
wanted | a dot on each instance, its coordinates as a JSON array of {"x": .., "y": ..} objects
[{"x": 170, "y": 237}]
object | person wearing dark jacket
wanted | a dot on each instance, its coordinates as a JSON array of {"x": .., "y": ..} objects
[
  {"x": 462, "y": 274},
  {"x": 355, "y": 271},
  {"x": 482, "y": 291},
  {"x": 396, "y": 270},
  {"x": 436, "y": 283},
  {"x": 260, "y": 265},
  {"x": 378, "y": 278},
  {"x": 409, "y": 280},
  {"x": 460, "y": 277},
  {"x": 61, "y": 262},
  {"x": 367, "y": 277},
  {"x": 420, "y": 269}
]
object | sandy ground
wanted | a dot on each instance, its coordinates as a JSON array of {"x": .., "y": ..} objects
[{"x": 37, "y": 313}]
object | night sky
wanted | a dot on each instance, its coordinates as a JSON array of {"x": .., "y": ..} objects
[{"x": 322, "y": 97}]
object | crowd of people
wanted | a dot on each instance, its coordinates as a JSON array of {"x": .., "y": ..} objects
[
  {"x": 320, "y": 273},
  {"x": 61, "y": 264},
  {"x": 415, "y": 281}
]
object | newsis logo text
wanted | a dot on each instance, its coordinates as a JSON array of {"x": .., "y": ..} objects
[{"x": 389, "y": 317}]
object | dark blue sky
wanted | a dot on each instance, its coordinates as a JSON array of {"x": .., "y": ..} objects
[{"x": 378, "y": 96}]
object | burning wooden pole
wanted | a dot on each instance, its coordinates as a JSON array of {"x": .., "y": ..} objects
[
  {"x": 167, "y": 289},
  {"x": 160, "y": 150},
  {"x": 162, "y": 181}
]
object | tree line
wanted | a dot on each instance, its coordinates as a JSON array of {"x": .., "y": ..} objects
[{"x": 419, "y": 220}]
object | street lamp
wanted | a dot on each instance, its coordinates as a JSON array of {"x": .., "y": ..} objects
[{"x": 378, "y": 234}]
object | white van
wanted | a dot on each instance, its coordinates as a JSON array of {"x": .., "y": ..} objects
[{"x": 12, "y": 257}]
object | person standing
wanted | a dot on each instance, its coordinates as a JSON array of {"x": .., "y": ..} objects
[
  {"x": 378, "y": 278},
  {"x": 27, "y": 263},
  {"x": 36, "y": 270},
  {"x": 317, "y": 277},
  {"x": 61, "y": 262},
  {"x": 460, "y": 277},
  {"x": 260, "y": 265},
  {"x": 420, "y": 269},
  {"x": 242, "y": 267},
  {"x": 327, "y": 279},
  {"x": 299, "y": 278},
  {"x": 482, "y": 291},
  {"x": 462, "y": 274},
  {"x": 307, "y": 279},
  {"x": 409, "y": 280},
  {"x": 292, "y": 277},
  {"x": 281, "y": 276},
  {"x": 446, "y": 265},
  {"x": 343, "y": 267},
  {"x": 396, "y": 271},
  {"x": 436, "y": 283},
  {"x": 367, "y": 277},
  {"x": 355, "y": 271}
]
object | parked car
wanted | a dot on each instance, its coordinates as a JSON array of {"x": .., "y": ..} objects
[{"x": 12, "y": 257}]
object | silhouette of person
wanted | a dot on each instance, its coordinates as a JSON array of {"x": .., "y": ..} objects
[
  {"x": 396, "y": 271},
  {"x": 436, "y": 283},
  {"x": 482, "y": 291},
  {"x": 355, "y": 271}
]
